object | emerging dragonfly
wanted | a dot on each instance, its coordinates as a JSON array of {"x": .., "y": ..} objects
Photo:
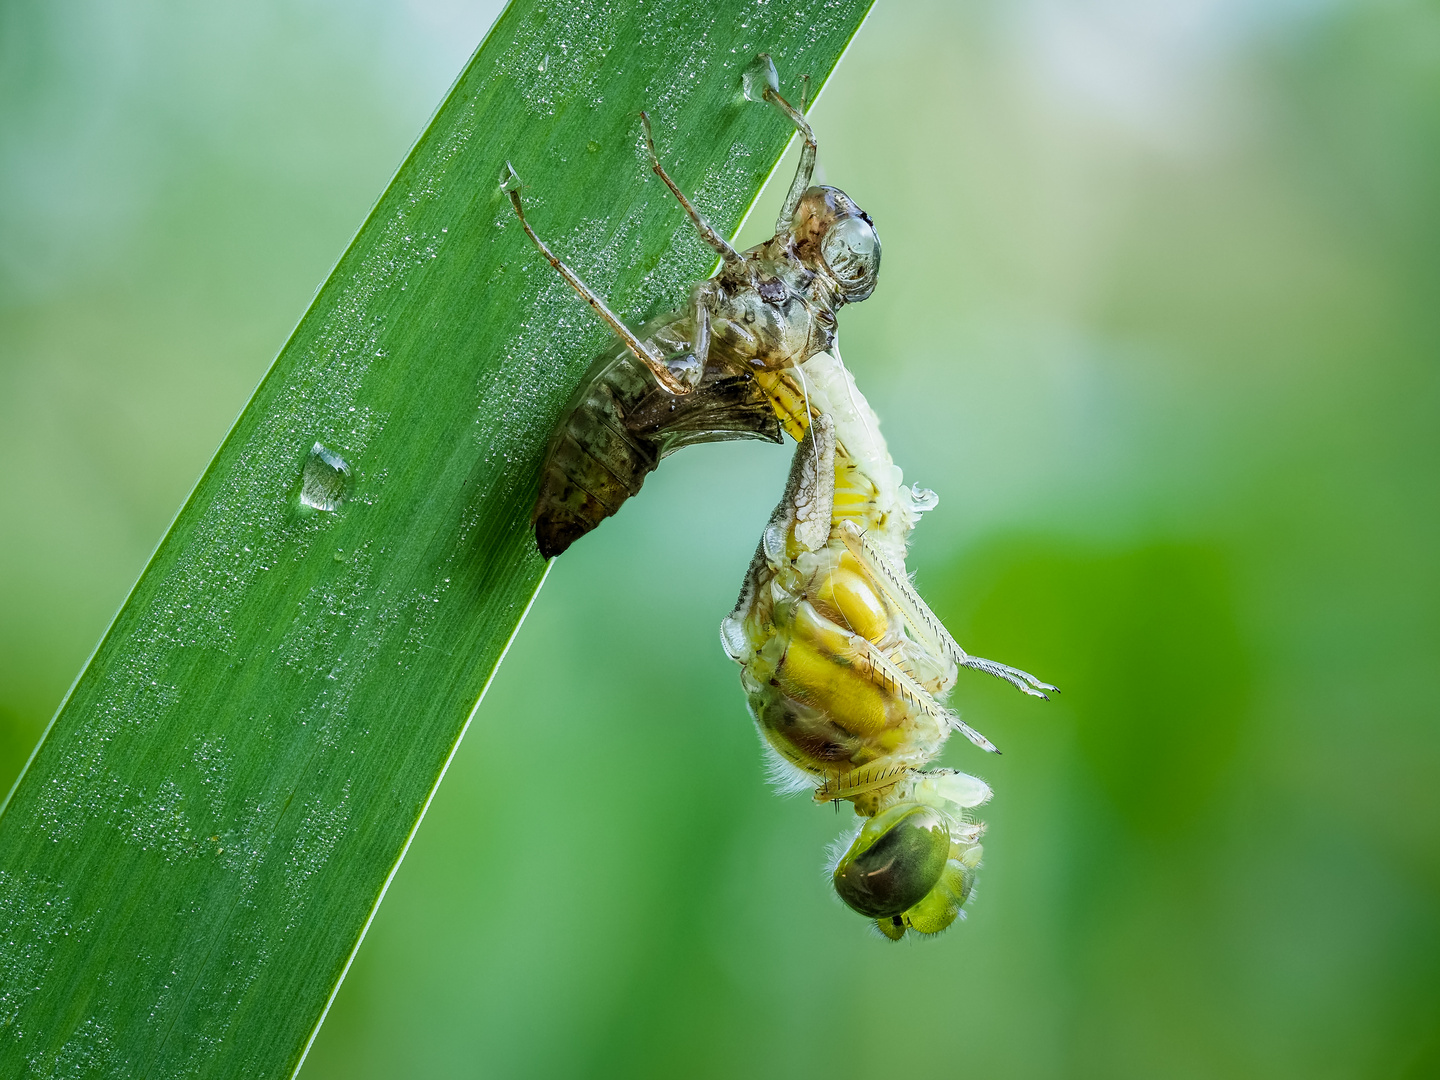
[
  {"x": 691, "y": 376},
  {"x": 844, "y": 665}
]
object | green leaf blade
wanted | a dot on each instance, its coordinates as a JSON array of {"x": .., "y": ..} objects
[{"x": 190, "y": 859}]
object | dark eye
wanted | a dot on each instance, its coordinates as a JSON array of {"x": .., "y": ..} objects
[
  {"x": 852, "y": 252},
  {"x": 895, "y": 861}
]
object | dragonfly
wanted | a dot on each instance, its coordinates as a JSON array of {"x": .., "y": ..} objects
[{"x": 845, "y": 668}]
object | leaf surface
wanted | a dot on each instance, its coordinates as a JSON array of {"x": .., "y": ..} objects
[{"x": 191, "y": 857}]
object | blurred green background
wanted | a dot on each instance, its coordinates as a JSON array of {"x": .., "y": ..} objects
[{"x": 1158, "y": 320}]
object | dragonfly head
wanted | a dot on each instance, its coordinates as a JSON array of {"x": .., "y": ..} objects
[
  {"x": 905, "y": 871},
  {"x": 835, "y": 237}
]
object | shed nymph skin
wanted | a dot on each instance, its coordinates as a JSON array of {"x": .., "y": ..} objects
[{"x": 693, "y": 375}]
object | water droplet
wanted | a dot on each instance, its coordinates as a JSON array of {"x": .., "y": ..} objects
[
  {"x": 593, "y": 146},
  {"x": 323, "y": 479}
]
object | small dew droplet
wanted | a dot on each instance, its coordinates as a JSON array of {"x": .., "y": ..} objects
[{"x": 323, "y": 479}]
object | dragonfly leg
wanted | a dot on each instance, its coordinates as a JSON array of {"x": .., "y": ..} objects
[
  {"x": 706, "y": 230},
  {"x": 806, "y": 508},
  {"x": 879, "y": 774},
  {"x": 688, "y": 365},
  {"x": 644, "y": 351},
  {"x": 924, "y": 622},
  {"x": 762, "y": 73},
  {"x": 1022, "y": 680},
  {"x": 896, "y": 679}
]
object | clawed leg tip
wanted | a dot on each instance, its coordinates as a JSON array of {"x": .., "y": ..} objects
[
  {"x": 1031, "y": 685},
  {"x": 509, "y": 179}
]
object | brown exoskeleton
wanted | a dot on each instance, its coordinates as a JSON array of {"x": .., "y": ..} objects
[{"x": 697, "y": 374}]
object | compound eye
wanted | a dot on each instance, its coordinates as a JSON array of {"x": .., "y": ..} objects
[
  {"x": 852, "y": 252},
  {"x": 895, "y": 861}
]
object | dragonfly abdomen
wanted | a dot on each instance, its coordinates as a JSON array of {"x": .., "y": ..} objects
[
  {"x": 622, "y": 422},
  {"x": 596, "y": 460}
]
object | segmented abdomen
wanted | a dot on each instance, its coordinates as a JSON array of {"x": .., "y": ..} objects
[
  {"x": 618, "y": 427},
  {"x": 594, "y": 462}
]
